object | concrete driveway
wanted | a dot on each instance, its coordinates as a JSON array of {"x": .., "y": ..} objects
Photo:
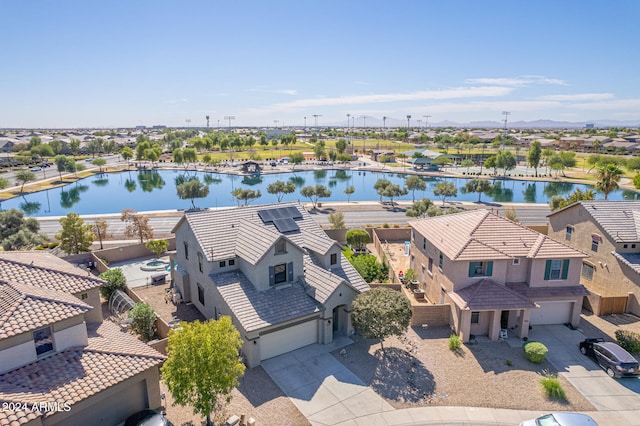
[{"x": 613, "y": 397}]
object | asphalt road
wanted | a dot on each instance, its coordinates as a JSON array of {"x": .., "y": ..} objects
[{"x": 356, "y": 215}]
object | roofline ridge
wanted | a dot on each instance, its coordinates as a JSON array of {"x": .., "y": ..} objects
[{"x": 41, "y": 268}]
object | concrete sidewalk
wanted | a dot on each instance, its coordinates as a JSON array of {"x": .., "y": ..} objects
[{"x": 327, "y": 393}]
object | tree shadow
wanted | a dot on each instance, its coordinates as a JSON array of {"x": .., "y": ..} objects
[{"x": 258, "y": 387}]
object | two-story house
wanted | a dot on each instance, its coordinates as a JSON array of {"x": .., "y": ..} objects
[
  {"x": 495, "y": 274},
  {"x": 609, "y": 231},
  {"x": 59, "y": 363},
  {"x": 281, "y": 279}
]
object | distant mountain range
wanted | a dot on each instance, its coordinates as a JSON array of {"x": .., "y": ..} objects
[{"x": 536, "y": 124}]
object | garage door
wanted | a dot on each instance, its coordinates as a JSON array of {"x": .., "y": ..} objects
[
  {"x": 283, "y": 341},
  {"x": 552, "y": 313}
]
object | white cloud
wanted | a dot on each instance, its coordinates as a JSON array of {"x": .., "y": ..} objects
[
  {"x": 277, "y": 91},
  {"x": 578, "y": 97},
  {"x": 520, "y": 81}
]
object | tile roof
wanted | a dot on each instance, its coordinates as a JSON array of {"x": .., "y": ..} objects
[
  {"x": 25, "y": 308},
  {"x": 632, "y": 260},
  {"x": 486, "y": 294},
  {"x": 548, "y": 291},
  {"x": 45, "y": 270},
  {"x": 217, "y": 230},
  {"x": 322, "y": 283},
  {"x": 254, "y": 241},
  {"x": 71, "y": 376},
  {"x": 259, "y": 309},
  {"x": 480, "y": 235},
  {"x": 620, "y": 220}
]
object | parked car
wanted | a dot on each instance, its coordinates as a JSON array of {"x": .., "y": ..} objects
[
  {"x": 147, "y": 418},
  {"x": 561, "y": 419},
  {"x": 616, "y": 361},
  {"x": 36, "y": 169}
]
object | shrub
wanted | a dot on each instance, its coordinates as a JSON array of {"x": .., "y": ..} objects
[
  {"x": 552, "y": 387},
  {"x": 115, "y": 280},
  {"x": 509, "y": 362},
  {"x": 628, "y": 340},
  {"x": 144, "y": 320},
  {"x": 535, "y": 352},
  {"x": 454, "y": 342}
]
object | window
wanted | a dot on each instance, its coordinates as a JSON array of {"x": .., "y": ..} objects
[
  {"x": 625, "y": 246},
  {"x": 595, "y": 241},
  {"x": 481, "y": 269},
  {"x": 281, "y": 247},
  {"x": 422, "y": 267},
  {"x": 587, "y": 271},
  {"x": 223, "y": 264},
  {"x": 186, "y": 250},
  {"x": 84, "y": 296},
  {"x": 569, "y": 233},
  {"x": 43, "y": 340},
  {"x": 200, "y": 294},
  {"x": 475, "y": 317},
  {"x": 440, "y": 261},
  {"x": 232, "y": 262},
  {"x": 556, "y": 269},
  {"x": 200, "y": 261},
  {"x": 334, "y": 258},
  {"x": 516, "y": 261},
  {"x": 424, "y": 244},
  {"x": 633, "y": 246},
  {"x": 430, "y": 265},
  {"x": 280, "y": 273},
  {"x": 413, "y": 235}
]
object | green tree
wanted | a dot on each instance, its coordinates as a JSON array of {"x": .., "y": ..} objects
[
  {"x": 636, "y": 181},
  {"x": 557, "y": 202},
  {"x": 349, "y": 190},
  {"x": 280, "y": 188},
  {"x": 492, "y": 163},
  {"x": 420, "y": 208},
  {"x": 143, "y": 320},
  {"x": 481, "y": 186},
  {"x": 380, "y": 186},
  {"x": 535, "y": 155},
  {"x": 114, "y": 280},
  {"x": 18, "y": 232},
  {"x": 313, "y": 193},
  {"x": 64, "y": 164},
  {"x": 393, "y": 191},
  {"x": 178, "y": 157},
  {"x": 369, "y": 268},
  {"x": 246, "y": 195},
  {"x": 414, "y": 183},
  {"x": 203, "y": 364},
  {"x": 74, "y": 146},
  {"x": 127, "y": 154},
  {"x": 608, "y": 177},
  {"x": 341, "y": 145},
  {"x": 24, "y": 176},
  {"x": 137, "y": 225},
  {"x": 567, "y": 159},
  {"x": 4, "y": 183},
  {"x": 190, "y": 156},
  {"x": 75, "y": 237},
  {"x": 380, "y": 313},
  {"x": 319, "y": 150},
  {"x": 56, "y": 146},
  {"x": 100, "y": 162},
  {"x": 445, "y": 190},
  {"x": 358, "y": 239},
  {"x": 336, "y": 219},
  {"x": 506, "y": 160},
  {"x": 191, "y": 190},
  {"x": 466, "y": 164},
  {"x": 296, "y": 158},
  {"x": 157, "y": 247}
]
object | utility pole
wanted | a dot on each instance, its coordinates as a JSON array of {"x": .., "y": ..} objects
[
  {"x": 426, "y": 121},
  {"x": 305, "y": 124},
  {"x": 276, "y": 123},
  {"x": 408, "y": 125},
  {"x": 315, "y": 116},
  {"x": 348, "y": 129},
  {"x": 230, "y": 117},
  {"x": 504, "y": 132},
  {"x": 207, "y": 117}
]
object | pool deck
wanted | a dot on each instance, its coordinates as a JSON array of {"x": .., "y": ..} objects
[{"x": 136, "y": 277}]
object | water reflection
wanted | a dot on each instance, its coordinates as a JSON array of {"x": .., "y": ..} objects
[
  {"x": 150, "y": 180},
  {"x": 298, "y": 181},
  {"x": 130, "y": 185},
  {"x": 72, "y": 196},
  {"x": 30, "y": 207},
  {"x": 341, "y": 175},
  {"x": 103, "y": 181},
  {"x": 629, "y": 195},
  {"x": 252, "y": 180},
  {"x": 210, "y": 179},
  {"x": 529, "y": 193},
  {"x": 320, "y": 174},
  {"x": 557, "y": 188},
  {"x": 501, "y": 194}
]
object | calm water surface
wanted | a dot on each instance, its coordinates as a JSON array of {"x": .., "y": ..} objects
[{"x": 156, "y": 190}]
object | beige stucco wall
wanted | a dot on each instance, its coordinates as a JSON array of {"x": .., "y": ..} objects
[
  {"x": 72, "y": 336},
  {"x": 17, "y": 355},
  {"x": 93, "y": 299},
  {"x": 610, "y": 277},
  {"x": 258, "y": 274},
  {"x": 538, "y": 268}
]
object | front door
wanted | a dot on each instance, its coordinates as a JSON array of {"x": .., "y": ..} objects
[{"x": 504, "y": 320}]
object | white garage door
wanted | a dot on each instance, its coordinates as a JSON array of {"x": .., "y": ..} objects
[
  {"x": 552, "y": 313},
  {"x": 283, "y": 341}
]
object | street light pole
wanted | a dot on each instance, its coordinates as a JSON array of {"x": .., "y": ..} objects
[
  {"x": 426, "y": 121},
  {"x": 230, "y": 117},
  {"x": 348, "y": 129},
  {"x": 408, "y": 125},
  {"x": 305, "y": 124}
]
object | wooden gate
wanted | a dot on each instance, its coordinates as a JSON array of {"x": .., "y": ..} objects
[{"x": 612, "y": 305}]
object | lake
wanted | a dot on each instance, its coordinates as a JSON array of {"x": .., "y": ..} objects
[{"x": 156, "y": 190}]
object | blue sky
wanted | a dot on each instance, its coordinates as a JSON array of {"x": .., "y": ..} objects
[{"x": 127, "y": 63}]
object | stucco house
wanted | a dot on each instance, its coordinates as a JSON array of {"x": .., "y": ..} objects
[
  {"x": 609, "y": 231},
  {"x": 281, "y": 279},
  {"x": 59, "y": 363},
  {"x": 495, "y": 274}
]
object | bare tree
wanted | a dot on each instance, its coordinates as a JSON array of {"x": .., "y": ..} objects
[{"x": 137, "y": 225}]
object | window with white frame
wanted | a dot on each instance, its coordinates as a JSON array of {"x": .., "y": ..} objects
[
  {"x": 569, "y": 233},
  {"x": 200, "y": 261},
  {"x": 595, "y": 242},
  {"x": 587, "y": 271},
  {"x": 280, "y": 273},
  {"x": 43, "y": 339},
  {"x": 475, "y": 317}
]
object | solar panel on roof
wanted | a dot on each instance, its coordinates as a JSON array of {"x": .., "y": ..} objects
[
  {"x": 286, "y": 225},
  {"x": 271, "y": 215}
]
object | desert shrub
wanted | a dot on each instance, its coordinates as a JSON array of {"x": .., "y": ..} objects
[
  {"x": 115, "y": 280},
  {"x": 552, "y": 387},
  {"x": 144, "y": 320},
  {"x": 535, "y": 352},
  {"x": 454, "y": 342},
  {"x": 509, "y": 362},
  {"x": 628, "y": 340}
]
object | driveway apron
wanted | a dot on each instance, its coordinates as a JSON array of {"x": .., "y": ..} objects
[{"x": 321, "y": 387}]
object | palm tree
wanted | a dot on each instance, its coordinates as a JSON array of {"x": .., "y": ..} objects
[{"x": 608, "y": 177}]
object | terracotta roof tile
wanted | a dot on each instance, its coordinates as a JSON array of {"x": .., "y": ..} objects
[
  {"x": 486, "y": 294},
  {"x": 548, "y": 291},
  {"x": 75, "y": 374}
]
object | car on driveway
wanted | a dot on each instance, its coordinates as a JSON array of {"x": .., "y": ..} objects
[
  {"x": 147, "y": 418},
  {"x": 616, "y": 361},
  {"x": 561, "y": 419}
]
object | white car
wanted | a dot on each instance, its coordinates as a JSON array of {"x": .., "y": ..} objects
[
  {"x": 561, "y": 419},
  {"x": 36, "y": 169}
]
